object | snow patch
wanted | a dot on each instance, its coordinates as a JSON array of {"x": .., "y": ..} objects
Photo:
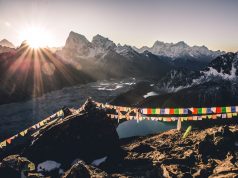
[
  {"x": 152, "y": 93},
  {"x": 214, "y": 73},
  {"x": 97, "y": 162},
  {"x": 110, "y": 89},
  {"x": 48, "y": 166}
]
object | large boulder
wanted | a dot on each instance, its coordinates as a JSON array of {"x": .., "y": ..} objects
[
  {"x": 87, "y": 135},
  {"x": 81, "y": 169},
  {"x": 14, "y": 166}
]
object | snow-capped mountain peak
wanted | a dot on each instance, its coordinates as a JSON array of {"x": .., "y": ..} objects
[
  {"x": 101, "y": 42},
  {"x": 78, "y": 44},
  {"x": 76, "y": 40},
  {"x": 179, "y": 49},
  {"x": 126, "y": 51},
  {"x": 6, "y": 43}
]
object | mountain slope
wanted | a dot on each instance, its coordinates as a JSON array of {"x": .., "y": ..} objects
[
  {"x": 102, "y": 59},
  {"x": 28, "y": 73},
  {"x": 215, "y": 85},
  {"x": 178, "y": 50},
  {"x": 6, "y": 43}
]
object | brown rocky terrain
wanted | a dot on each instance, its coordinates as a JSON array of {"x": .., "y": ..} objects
[{"x": 78, "y": 139}]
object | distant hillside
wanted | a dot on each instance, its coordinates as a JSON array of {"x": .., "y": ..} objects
[
  {"x": 215, "y": 85},
  {"x": 6, "y": 43},
  {"x": 27, "y": 73}
]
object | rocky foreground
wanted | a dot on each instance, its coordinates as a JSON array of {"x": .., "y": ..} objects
[{"x": 86, "y": 144}]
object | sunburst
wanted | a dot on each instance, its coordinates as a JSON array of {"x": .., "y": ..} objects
[{"x": 36, "y": 36}]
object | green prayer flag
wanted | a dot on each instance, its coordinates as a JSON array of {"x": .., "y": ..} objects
[
  {"x": 153, "y": 111},
  {"x": 223, "y": 109},
  {"x": 199, "y": 110},
  {"x": 176, "y": 111}
]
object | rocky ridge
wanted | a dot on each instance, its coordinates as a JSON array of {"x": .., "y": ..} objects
[{"x": 74, "y": 142}]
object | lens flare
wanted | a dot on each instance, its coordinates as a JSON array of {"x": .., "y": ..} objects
[{"x": 36, "y": 37}]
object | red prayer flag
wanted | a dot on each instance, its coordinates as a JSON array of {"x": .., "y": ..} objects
[
  {"x": 169, "y": 119},
  {"x": 9, "y": 141},
  {"x": 171, "y": 111},
  {"x": 195, "y": 110},
  {"x": 149, "y": 111},
  {"x": 218, "y": 109}
]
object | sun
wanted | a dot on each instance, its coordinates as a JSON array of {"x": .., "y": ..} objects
[{"x": 36, "y": 37}]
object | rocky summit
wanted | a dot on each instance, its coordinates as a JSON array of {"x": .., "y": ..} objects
[{"x": 85, "y": 144}]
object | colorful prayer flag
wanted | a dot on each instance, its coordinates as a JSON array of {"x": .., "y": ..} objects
[
  {"x": 228, "y": 109},
  {"x": 195, "y": 110},
  {"x": 229, "y": 115},
  {"x": 3, "y": 144},
  {"x": 233, "y": 109},
  {"x": 162, "y": 111},
  {"x": 171, "y": 111},
  {"x": 176, "y": 111},
  {"x": 181, "y": 111},
  {"x": 204, "y": 110},
  {"x": 149, "y": 111},
  {"x": 199, "y": 110},
  {"x": 213, "y": 109},
  {"x": 223, "y": 109},
  {"x": 157, "y": 111},
  {"x": 185, "y": 111},
  {"x": 209, "y": 110},
  {"x": 223, "y": 116},
  {"x": 218, "y": 109},
  {"x": 166, "y": 110}
]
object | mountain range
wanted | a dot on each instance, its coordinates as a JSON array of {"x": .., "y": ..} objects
[
  {"x": 179, "y": 54},
  {"x": 80, "y": 61},
  {"x": 26, "y": 73},
  {"x": 214, "y": 85}
]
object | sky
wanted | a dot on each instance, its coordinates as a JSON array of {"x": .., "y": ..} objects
[{"x": 213, "y": 23}]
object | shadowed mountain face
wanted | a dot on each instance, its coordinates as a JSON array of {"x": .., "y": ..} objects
[
  {"x": 102, "y": 59},
  {"x": 215, "y": 85},
  {"x": 27, "y": 73}
]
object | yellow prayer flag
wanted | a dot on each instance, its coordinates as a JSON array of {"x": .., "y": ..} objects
[
  {"x": 22, "y": 133},
  {"x": 204, "y": 110},
  {"x": 229, "y": 115},
  {"x": 157, "y": 111},
  {"x": 234, "y": 114},
  {"x": 228, "y": 109},
  {"x": 3, "y": 144},
  {"x": 41, "y": 123},
  {"x": 195, "y": 118},
  {"x": 180, "y": 111}
]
